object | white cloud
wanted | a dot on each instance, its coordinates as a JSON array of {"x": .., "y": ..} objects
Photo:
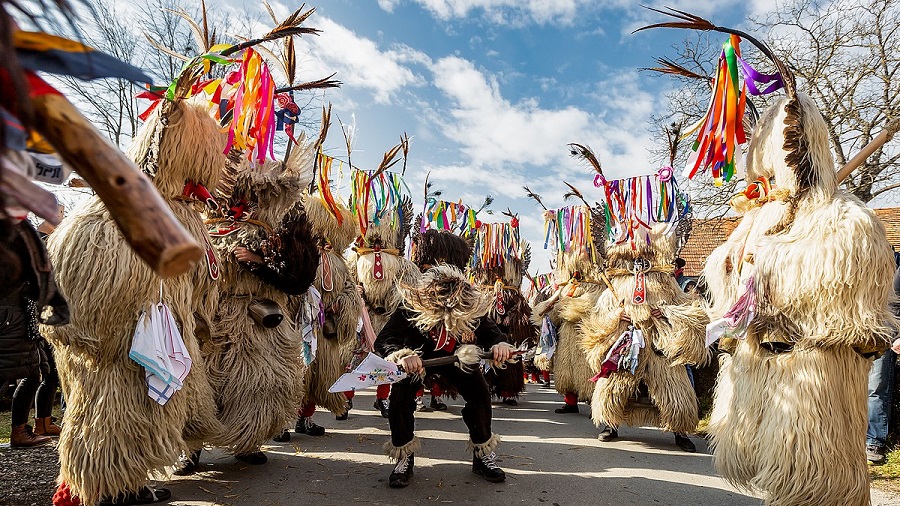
[
  {"x": 359, "y": 61},
  {"x": 493, "y": 131},
  {"x": 502, "y": 11}
]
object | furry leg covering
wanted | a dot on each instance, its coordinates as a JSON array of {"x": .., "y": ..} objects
[
  {"x": 259, "y": 376},
  {"x": 570, "y": 367},
  {"x": 115, "y": 434},
  {"x": 793, "y": 425},
  {"x": 485, "y": 448},
  {"x": 395, "y": 453}
]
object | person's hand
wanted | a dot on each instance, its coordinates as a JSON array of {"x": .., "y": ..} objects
[
  {"x": 624, "y": 316},
  {"x": 896, "y": 346},
  {"x": 502, "y": 352},
  {"x": 245, "y": 255},
  {"x": 412, "y": 364},
  {"x": 656, "y": 313}
]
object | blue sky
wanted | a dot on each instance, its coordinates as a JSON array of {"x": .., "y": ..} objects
[{"x": 491, "y": 91}]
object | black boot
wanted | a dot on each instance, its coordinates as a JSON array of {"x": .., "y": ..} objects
[
  {"x": 402, "y": 472},
  {"x": 256, "y": 458},
  {"x": 511, "y": 401},
  {"x": 382, "y": 405},
  {"x": 188, "y": 464},
  {"x": 305, "y": 425},
  {"x": 144, "y": 495},
  {"x": 609, "y": 433},
  {"x": 284, "y": 437},
  {"x": 487, "y": 467},
  {"x": 343, "y": 416},
  {"x": 685, "y": 442},
  {"x": 437, "y": 405},
  {"x": 567, "y": 408}
]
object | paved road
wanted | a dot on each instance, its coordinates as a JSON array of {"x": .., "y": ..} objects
[{"x": 549, "y": 459}]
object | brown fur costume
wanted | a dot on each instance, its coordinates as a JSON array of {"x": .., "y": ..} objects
[
  {"x": 792, "y": 424},
  {"x": 341, "y": 300},
  {"x": 503, "y": 283},
  {"x": 579, "y": 288},
  {"x": 670, "y": 342},
  {"x": 115, "y": 434},
  {"x": 259, "y": 372}
]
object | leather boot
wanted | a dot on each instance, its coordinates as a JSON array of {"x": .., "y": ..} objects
[
  {"x": 23, "y": 437},
  {"x": 45, "y": 427}
]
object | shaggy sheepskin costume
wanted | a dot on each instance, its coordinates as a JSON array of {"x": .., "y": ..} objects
[
  {"x": 789, "y": 417},
  {"x": 502, "y": 280},
  {"x": 115, "y": 434},
  {"x": 340, "y": 298},
  {"x": 442, "y": 311},
  {"x": 579, "y": 287},
  {"x": 258, "y": 371},
  {"x": 670, "y": 342},
  {"x": 383, "y": 243}
]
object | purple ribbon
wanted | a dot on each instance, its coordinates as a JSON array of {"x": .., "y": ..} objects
[{"x": 752, "y": 77}]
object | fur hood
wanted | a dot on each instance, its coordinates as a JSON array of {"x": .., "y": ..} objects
[{"x": 444, "y": 296}]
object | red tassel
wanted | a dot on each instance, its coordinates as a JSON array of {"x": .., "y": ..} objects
[{"x": 64, "y": 497}]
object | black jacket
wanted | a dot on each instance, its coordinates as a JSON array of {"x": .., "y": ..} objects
[
  {"x": 22, "y": 301},
  {"x": 400, "y": 332}
]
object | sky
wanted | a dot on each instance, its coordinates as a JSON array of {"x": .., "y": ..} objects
[{"x": 491, "y": 91}]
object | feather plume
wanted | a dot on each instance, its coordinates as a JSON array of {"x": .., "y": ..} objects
[
  {"x": 535, "y": 197},
  {"x": 694, "y": 22},
  {"x": 673, "y": 136},
  {"x": 197, "y": 32},
  {"x": 271, "y": 12},
  {"x": 404, "y": 141},
  {"x": 325, "y": 82},
  {"x": 390, "y": 159},
  {"x": 165, "y": 50},
  {"x": 668, "y": 66},
  {"x": 575, "y": 193},
  {"x": 584, "y": 152}
]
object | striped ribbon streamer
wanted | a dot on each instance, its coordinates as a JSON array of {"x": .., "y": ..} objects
[{"x": 374, "y": 200}]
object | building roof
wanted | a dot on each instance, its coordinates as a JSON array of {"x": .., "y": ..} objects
[{"x": 707, "y": 234}]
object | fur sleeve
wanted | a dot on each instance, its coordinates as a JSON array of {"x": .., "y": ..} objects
[
  {"x": 682, "y": 335},
  {"x": 600, "y": 330}
]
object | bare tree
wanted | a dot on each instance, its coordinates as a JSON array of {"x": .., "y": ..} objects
[
  {"x": 110, "y": 103},
  {"x": 846, "y": 55}
]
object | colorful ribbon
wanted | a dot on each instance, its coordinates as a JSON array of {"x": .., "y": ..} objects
[
  {"x": 376, "y": 200},
  {"x": 635, "y": 204},
  {"x": 453, "y": 217},
  {"x": 569, "y": 230},
  {"x": 495, "y": 244},
  {"x": 324, "y": 164}
]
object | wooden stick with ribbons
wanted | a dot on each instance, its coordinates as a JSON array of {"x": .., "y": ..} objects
[{"x": 133, "y": 202}]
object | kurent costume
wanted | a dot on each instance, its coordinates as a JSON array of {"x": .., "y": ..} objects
[
  {"x": 336, "y": 230},
  {"x": 377, "y": 263},
  {"x": 255, "y": 353},
  {"x": 441, "y": 312},
  {"x": 802, "y": 286},
  {"x": 578, "y": 264},
  {"x": 179, "y": 146},
  {"x": 499, "y": 260},
  {"x": 644, "y": 329}
]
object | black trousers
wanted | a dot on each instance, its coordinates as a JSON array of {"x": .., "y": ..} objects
[{"x": 473, "y": 389}]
